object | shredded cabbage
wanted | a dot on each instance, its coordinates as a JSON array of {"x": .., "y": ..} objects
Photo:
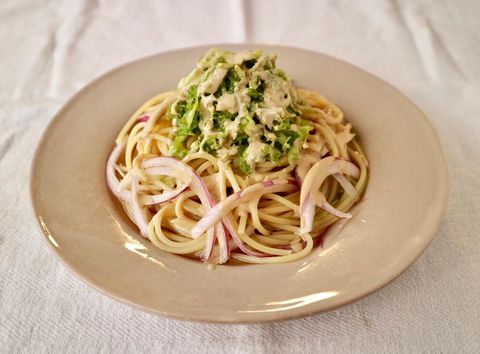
[{"x": 240, "y": 108}]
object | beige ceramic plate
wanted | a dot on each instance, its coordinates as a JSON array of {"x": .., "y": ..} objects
[{"x": 391, "y": 227}]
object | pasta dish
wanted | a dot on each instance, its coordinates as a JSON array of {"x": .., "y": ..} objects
[{"x": 237, "y": 163}]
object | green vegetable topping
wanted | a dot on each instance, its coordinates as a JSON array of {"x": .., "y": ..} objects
[{"x": 240, "y": 108}]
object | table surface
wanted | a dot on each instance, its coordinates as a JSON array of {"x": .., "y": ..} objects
[{"x": 430, "y": 50}]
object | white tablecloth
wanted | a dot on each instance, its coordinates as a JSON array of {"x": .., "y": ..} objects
[{"x": 430, "y": 50}]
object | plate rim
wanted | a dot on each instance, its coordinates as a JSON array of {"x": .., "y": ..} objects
[{"x": 443, "y": 189}]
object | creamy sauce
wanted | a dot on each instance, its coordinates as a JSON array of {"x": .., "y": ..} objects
[
  {"x": 268, "y": 115},
  {"x": 231, "y": 128},
  {"x": 276, "y": 97},
  {"x": 226, "y": 103},
  {"x": 208, "y": 127},
  {"x": 241, "y": 97},
  {"x": 207, "y": 105},
  {"x": 240, "y": 57},
  {"x": 226, "y": 153},
  {"x": 213, "y": 82},
  {"x": 255, "y": 153},
  {"x": 270, "y": 136}
]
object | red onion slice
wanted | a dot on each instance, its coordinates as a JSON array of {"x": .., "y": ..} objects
[
  {"x": 197, "y": 183},
  {"x": 228, "y": 223},
  {"x": 198, "y": 186},
  {"x": 223, "y": 244},
  {"x": 307, "y": 214},
  {"x": 170, "y": 172},
  {"x": 164, "y": 197},
  {"x": 219, "y": 211},
  {"x": 112, "y": 180},
  {"x": 321, "y": 201},
  {"x": 312, "y": 182},
  {"x": 324, "y": 168},
  {"x": 137, "y": 211},
  {"x": 215, "y": 214},
  {"x": 207, "y": 201},
  {"x": 345, "y": 167},
  {"x": 209, "y": 245},
  {"x": 335, "y": 212},
  {"x": 346, "y": 185}
]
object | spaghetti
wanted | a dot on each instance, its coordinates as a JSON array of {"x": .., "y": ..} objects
[{"x": 237, "y": 163}]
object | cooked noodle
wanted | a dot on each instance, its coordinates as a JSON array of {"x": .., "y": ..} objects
[{"x": 205, "y": 206}]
